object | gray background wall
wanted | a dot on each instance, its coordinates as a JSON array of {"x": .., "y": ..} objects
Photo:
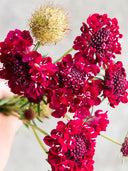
[{"x": 26, "y": 154}]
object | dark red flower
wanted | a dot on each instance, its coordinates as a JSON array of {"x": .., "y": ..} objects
[
  {"x": 26, "y": 71},
  {"x": 72, "y": 146},
  {"x": 16, "y": 41},
  {"x": 99, "y": 39},
  {"x": 124, "y": 148},
  {"x": 75, "y": 72},
  {"x": 99, "y": 121},
  {"x": 76, "y": 92},
  {"x": 116, "y": 84}
]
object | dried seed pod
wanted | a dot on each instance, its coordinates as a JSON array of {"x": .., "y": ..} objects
[{"x": 29, "y": 114}]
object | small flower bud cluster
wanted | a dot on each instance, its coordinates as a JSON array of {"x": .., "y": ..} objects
[{"x": 124, "y": 148}]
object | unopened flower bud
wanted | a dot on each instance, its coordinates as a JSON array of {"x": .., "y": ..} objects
[
  {"x": 124, "y": 148},
  {"x": 48, "y": 24},
  {"x": 29, "y": 114}
]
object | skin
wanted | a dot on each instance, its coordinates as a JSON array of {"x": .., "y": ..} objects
[{"x": 9, "y": 126}]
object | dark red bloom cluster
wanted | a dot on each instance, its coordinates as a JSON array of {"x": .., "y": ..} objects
[
  {"x": 72, "y": 146},
  {"x": 99, "y": 39},
  {"x": 116, "y": 84},
  {"x": 99, "y": 121},
  {"x": 124, "y": 148},
  {"x": 76, "y": 90},
  {"x": 25, "y": 70}
]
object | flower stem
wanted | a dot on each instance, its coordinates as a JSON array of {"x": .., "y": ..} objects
[
  {"x": 103, "y": 99},
  {"x": 37, "y": 46},
  {"x": 97, "y": 78},
  {"x": 38, "y": 109},
  {"x": 24, "y": 104},
  {"x": 111, "y": 140},
  {"x": 39, "y": 141},
  {"x": 68, "y": 117},
  {"x": 32, "y": 126},
  {"x": 86, "y": 120},
  {"x": 64, "y": 55},
  {"x": 35, "y": 127}
]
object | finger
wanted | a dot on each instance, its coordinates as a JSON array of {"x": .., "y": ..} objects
[
  {"x": 9, "y": 125},
  {"x": 5, "y": 91}
]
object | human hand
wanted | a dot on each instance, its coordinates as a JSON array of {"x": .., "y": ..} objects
[{"x": 9, "y": 125}]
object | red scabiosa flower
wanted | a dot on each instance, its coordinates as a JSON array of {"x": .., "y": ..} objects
[
  {"x": 115, "y": 84},
  {"x": 74, "y": 92},
  {"x": 99, "y": 121},
  {"x": 124, "y": 148},
  {"x": 41, "y": 80},
  {"x": 100, "y": 38},
  {"x": 72, "y": 146},
  {"x": 16, "y": 41},
  {"x": 25, "y": 70}
]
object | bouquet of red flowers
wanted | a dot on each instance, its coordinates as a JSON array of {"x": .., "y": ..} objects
[{"x": 71, "y": 87}]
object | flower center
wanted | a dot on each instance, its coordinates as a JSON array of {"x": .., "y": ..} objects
[
  {"x": 76, "y": 78},
  {"x": 75, "y": 75},
  {"x": 77, "y": 153},
  {"x": 99, "y": 38},
  {"x": 19, "y": 68},
  {"x": 119, "y": 82}
]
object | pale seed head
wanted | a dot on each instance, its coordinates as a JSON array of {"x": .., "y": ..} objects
[
  {"x": 45, "y": 110},
  {"x": 48, "y": 24}
]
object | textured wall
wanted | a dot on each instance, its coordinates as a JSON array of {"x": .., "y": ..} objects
[{"x": 26, "y": 154}]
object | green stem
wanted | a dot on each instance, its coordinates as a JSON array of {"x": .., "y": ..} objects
[
  {"x": 32, "y": 126},
  {"x": 44, "y": 101},
  {"x": 14, "y": 100},
  {"x": 64, "y": 55},
  {"x": 111, "y": 140},
  {"x": 37, "y": 46},
  {"x": 102, "y": 99},
  {"x": 34, "y": 123},
  {"x": 68, "y": 117},
  {"x": 24, "y": 104},
  {"x": 86, "y": 120},
  {"x": 39, "y": 141},
  {"x": 92, "y": 111},
  {"x": 97, "y": 78},
  {"x": 35, "y": 127},
  {"x": 38, "y": 109}
]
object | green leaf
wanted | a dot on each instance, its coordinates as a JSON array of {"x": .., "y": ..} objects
[
  {"x": 44, "y": 56},
  {"x": 34, "y": 123},
  {"x": 44, "y": 101},
  {"x": 26, "y": 125},
  {"x": 39, "y": 119},
  {"x": 38, "y": 109},
  {"x": 24, "y": 104},
  {"x": 4, "y": 101}
]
